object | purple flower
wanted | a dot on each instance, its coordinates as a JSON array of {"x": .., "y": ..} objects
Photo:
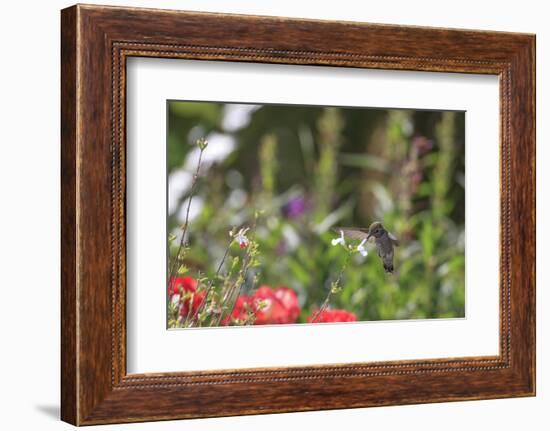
[
  {"x": 422, "y": 144},
  {"x": 295, "y": 207}
]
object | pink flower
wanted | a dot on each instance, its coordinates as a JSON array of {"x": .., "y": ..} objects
[{"x": 241, "y": 238}]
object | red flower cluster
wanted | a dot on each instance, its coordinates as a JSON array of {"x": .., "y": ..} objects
[
  {"x": 327, "y": 316},
  {"x": 281, "y": 305},
  {"x": 270, "y": 306},
  {"x": 180, "y": 286}
]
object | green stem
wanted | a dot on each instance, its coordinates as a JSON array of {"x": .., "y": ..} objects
[
  {"x": 186, "y": 221},
  {"x": 325, "y": 303}
]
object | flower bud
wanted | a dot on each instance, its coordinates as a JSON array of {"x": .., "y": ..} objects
[{"x": 202, "y": 143}]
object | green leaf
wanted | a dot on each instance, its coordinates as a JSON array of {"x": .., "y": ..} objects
[{"x": 183, "y": 270}]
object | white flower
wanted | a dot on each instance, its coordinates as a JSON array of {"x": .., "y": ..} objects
[
  {"x": 361, "y": 248},
  {"x": 241, "y": 238},
  {"x": 340, "y": 240}
]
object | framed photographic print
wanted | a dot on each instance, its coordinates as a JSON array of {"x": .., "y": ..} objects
[{"x": 329, "y": 214}]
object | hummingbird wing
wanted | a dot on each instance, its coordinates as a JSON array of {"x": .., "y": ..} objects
[
  {"x": 393, "y": 238},
  {"x": 352, "y": 232}
]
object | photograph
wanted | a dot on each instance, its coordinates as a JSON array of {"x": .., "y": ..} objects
[{"x": 293, "y": 214}]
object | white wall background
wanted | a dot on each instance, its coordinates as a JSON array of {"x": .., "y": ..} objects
[{"x": 29, "y": 214}]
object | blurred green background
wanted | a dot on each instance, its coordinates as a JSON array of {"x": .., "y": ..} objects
[{"x": 311, "y": 168}]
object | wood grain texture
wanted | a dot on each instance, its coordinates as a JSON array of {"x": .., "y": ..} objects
[
  {"x": 96, "y": 41},
  {"x": 69, "y": 397}
]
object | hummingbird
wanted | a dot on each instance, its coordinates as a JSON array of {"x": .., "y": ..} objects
[{"x": 384, "y": 240}]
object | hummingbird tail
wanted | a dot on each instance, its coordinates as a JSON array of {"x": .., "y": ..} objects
[{"x": 388, "y": 268}]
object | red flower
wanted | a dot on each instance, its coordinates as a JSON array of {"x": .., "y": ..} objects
[
  {"x": 181, "y": 286},
  {"x": 275, "y": 305},
  {"x": 326, "y": 316},
  {"x": 289, "y": 299},
  {"x": 270, "y": 306},
  {"x": 197, "y": 299},
  {"x": 243, "y": 305},
  {"x": 189, "y": 284}
]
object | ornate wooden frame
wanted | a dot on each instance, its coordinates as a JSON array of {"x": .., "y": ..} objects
[{"x": 95, "y": 43}]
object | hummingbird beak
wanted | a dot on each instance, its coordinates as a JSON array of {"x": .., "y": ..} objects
[{"x": 369, "y": 236}]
